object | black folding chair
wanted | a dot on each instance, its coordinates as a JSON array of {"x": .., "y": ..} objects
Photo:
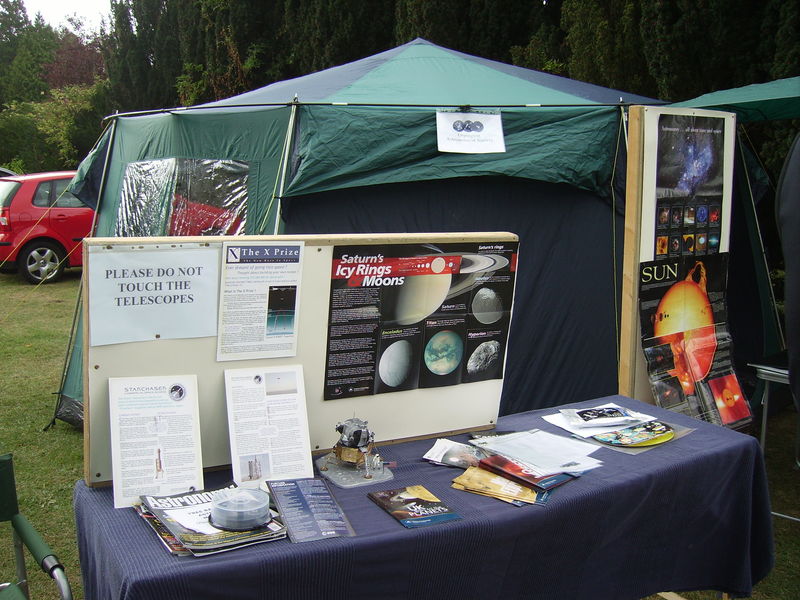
[{"x": 25, "y": 536}]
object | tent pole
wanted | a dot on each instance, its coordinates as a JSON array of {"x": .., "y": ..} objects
[
  {"x": 287, "y": 149},
  {"x": 763, "y": 253},
  {"x": 621, "y": 133}
]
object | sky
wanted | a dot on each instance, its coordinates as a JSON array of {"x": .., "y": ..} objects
[{"x": 56, "y": 12}]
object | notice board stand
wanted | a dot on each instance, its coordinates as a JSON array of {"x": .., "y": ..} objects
[
  {"x": 641, "y": 233},
  {"x": 392, "y": 416}
]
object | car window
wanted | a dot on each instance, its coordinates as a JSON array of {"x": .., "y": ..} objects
[
  {"x": 7, "y": 191},
  {"x": 42, "y": 195},
  {"x": 65, "y": 199}
]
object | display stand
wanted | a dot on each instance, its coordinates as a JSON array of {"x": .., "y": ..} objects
[
  {"x": 393, "y": 415},
  {"x": 675, "y": 345}
]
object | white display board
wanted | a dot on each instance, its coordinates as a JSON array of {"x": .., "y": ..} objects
[{"x": 393, "y": 415}]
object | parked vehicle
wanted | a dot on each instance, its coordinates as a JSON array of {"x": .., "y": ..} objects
[
  {"x": 5, "y": 172},
  {"x": 41, "y": 225}
]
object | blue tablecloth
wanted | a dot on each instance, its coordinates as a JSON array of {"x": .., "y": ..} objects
[{"x": 691, "y": 514}]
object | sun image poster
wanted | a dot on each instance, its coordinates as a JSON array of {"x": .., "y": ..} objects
[
  {"x": 407, "y": 316},
  {"x": 685, "y": 337}
]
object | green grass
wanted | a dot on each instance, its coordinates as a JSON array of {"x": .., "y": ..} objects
[{"x": 34, "y": 330}]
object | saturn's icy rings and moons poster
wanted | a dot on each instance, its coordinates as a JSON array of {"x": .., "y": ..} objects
[
  {"x": 683, "y": 267},
  {"x": 417, "y": 316}
]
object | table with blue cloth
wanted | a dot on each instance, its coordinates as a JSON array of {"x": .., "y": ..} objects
[{"x": 690, "y": 514}]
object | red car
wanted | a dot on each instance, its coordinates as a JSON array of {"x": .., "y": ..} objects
[{"x": 41, "y": 225}]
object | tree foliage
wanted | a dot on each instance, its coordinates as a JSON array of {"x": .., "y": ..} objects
[
  {"x": 163, "y": 53},
  {"x": 52, "y": 91}
]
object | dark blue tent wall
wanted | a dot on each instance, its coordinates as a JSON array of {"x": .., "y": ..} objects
[{"x": 563, "y": 341}]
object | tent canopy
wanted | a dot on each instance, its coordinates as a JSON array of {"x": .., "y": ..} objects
[
  {"x": 372, "y": 122},
  {"x": 420, "y": 73},
  {"x": 354, "y": 149},
  {"x": 773, "y": 101}
]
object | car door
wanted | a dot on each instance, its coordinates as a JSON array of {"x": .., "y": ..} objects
[{"x": 70, "y": 219}]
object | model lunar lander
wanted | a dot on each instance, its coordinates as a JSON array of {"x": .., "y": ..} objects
[{"x": 354, "y": 460}]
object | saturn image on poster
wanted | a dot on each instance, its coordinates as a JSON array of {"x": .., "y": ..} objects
[
  {"x": 443, "y": 352},
  {"x": 420, "y": 296},
  {"x": 395, "y": 364}
]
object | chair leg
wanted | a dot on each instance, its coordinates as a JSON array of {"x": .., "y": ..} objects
[{"x": 22, "y": 573}]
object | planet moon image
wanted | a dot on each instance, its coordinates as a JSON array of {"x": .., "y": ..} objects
[
  {"x": 443, "y": 352},
  {"x": 472, "y": 267},
  {"x": 419, "y": 296},
  {"x": 395, "y": 364},
  {"x": 484, "y": 357},
  {"x": 487, "y": 306}
]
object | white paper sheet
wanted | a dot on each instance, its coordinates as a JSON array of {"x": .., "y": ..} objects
[
  {"x": 268, "y": 425},
  {"x": 259, "y": 300},
  {"x": 155, "y": 436},
  {"x": 545, "y": 452}
]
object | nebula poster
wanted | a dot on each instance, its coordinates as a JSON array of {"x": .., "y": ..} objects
[
  {"x": 683, "y": 266},
  {"x": 405, "y": 316},
  {"x": 689, "y": 186}
]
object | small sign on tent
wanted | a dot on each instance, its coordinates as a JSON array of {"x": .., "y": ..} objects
[{"x": 470, "y": 133}]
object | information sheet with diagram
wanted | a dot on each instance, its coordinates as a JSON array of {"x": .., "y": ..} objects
[
  {"x": 155, "y": 436},
  {"x": 258, "y": 300},
  {"x": 268, "y": 424}
]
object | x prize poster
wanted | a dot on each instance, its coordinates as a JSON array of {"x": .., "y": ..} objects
[
  {"x": 406, "y": 316},
  {"x": 684, "y": 264}
]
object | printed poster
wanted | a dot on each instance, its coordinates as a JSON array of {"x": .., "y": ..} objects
[
  {"x": 684, "y": 267},
  {"x": 408, "y": 316},
  {"x": 267, "y": 424},
  {"x": 259, "y": 300},
  {"x": 155, "y": 436}
]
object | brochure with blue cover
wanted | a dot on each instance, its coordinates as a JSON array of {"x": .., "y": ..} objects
[
  {"x": 413, "y": 506},
  {"x": 309, "y": 510}
]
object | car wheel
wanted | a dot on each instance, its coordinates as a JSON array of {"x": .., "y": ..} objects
[{"x": 41, "y": 262}]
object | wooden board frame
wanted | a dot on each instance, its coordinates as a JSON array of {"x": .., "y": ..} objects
[{"x": 393, "y": 416}]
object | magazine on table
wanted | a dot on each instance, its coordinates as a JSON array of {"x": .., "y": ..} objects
[
  {"x": 454, "y": 454},
  {"x": 486, "y": 483},
  {"x": 413, "y": 506},
  {"x": 169, "y": 541},
  {"x": 186, "y": 517},
  {"x": 518, "y": 472}
]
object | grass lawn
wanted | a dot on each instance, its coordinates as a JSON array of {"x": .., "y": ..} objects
[{"x": 34, "y": 330}]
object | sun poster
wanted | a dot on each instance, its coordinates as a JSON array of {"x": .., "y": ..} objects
[
  {"x": 683, "y": 267},
  {"x": 407, "y": 316}
]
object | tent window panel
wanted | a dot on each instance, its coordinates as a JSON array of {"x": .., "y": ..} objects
[
  {"x": 210, "y": 197},
  {"x": 183, "y": 197},
  {"x": 147, "y": 188}
]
